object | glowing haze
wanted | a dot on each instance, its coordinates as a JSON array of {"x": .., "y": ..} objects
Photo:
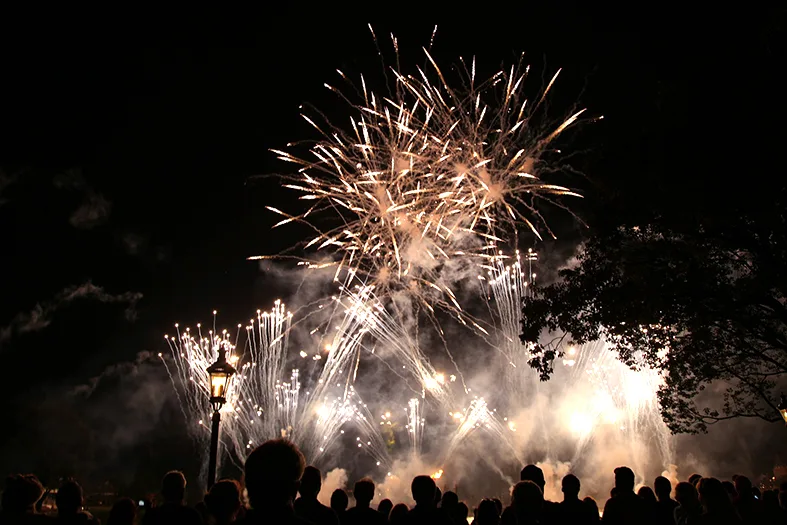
[{"x": 417, "y": 200}]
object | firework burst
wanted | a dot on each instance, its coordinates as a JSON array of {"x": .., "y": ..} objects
[{"x": 426, "y": 173}]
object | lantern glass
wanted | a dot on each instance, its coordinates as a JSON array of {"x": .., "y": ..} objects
[{"x": 218, "y": 384}]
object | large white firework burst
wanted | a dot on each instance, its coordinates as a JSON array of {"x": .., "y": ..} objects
[{"x": 426, "y": 173}]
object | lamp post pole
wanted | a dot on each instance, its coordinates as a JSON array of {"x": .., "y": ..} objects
[
  {"x": 220, "y": 373},
  {"x": 214, "y": 448}
]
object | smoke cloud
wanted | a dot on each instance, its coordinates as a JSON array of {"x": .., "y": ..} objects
[
  {"x": 335, "y": 479},
  {"x": 42, "y": 313}
]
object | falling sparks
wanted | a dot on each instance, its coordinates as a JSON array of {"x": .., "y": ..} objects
[{"x": 425, "y": 173}]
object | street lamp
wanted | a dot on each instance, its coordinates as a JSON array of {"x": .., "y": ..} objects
[
  {"x": 783, "y": 407},
  {"x": 220, "y": 373}
]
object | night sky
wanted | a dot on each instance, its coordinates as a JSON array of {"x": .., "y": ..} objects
[{"x": 129, "y": 142}]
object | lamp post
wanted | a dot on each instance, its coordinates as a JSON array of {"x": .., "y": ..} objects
[
  {"x": 783, "y": 407},
  {"x": 220, "y": 373}
]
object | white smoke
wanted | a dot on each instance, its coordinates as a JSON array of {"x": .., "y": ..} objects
[{"x": 335, "y": 479}]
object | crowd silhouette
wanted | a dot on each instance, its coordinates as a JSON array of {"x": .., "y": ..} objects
[{"x": 279, "y": 488}]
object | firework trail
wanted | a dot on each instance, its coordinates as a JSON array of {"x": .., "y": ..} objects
[
  {"x": 478, "y": 416},
  {"x": 623, "y": 398},
  {"x": 415, "y": 185},
  {"x": 415, "y": 426},
  {"x": 266, "y": 398}
]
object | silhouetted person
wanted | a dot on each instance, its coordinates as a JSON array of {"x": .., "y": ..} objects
[
  {"x": 307, "y": 506},
  {"x": 124, "y": 512},
  {"x": 527, "y": 500},
  {"x": 173, "y": 510},
  {"x": 461, "y": 513},
  {"x": 69, "y": 500},
  {"x": 362, "y": 513},
  {"x": 717, "y": 509},
  {"x": 651, "y": 503},
  {"x": 487, "y": 513},
  {"x": 384, "y": 508},
  {"x": 694, "y": 479},
  {"x": 425, "y": 511},
  {"x": 772, "y": 513},
  {"x": 592, "y": 507},
  {"x": 223, "y": 502},
  {"x": 21, "y": 493},
  {"x": 625, "y": 507},
  {"x": 499, "y": 505},
  {"x": 339, "y": 503},
  {"x": 729, "y": 487},
  {"x": 536, "y": 475},
  {"x": 689, "y": 509},
  {"x": 449, "y": 504},
  {"x": 272, "y": 474},
  {"x": 747, "y": 506},
  {"x": 665, "y": 508},
  {"x": 573, "y": 510},
  {"x": 398, "y": 515}
]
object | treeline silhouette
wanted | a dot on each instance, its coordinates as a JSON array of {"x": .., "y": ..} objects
[{"x": 278, "y": 488}]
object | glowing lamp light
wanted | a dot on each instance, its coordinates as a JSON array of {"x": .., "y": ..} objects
[
  {"x": 783, "y": 407},
  {"x": 220, "y": 373}
]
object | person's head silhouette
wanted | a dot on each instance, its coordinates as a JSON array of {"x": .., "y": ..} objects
[
  {"x": 123, "y": 512},
  {"x": 663, "y": 488},
  {"x": 21, "y": 493},
  {"x": 398, "y": 515},
  {"x": 363, "y": 492},
  {"x": 647, "y": 494},
  {"x": 272, "y": 474},
  {"x": 624, "y": 480},
  {"x": 311, "y": 483},
  {"x": 223, "y": 501},
  {"x": 339, "y": 500},
  {"x": 527, "y": 500},
  {"x": 449, "y": 501},
  {"x": 461, "y": 512},
  {"x": 570, "y": 486},
  {"x": 713, "y": 497},
  {"x": 423, "y": 489},
  {"x": 385, "y": 507},
  {"x": 694, "y": 479},
  {"x": 534, "y": 474},
  {"x": 173, "y": 487},
  {"x": 591, "y": 505},
  {"x": 743, "y": 487},
  {"x": 487, "y": 513},
  {"x": 69, "y": 498},
  {"x": 686, "y": 494}
]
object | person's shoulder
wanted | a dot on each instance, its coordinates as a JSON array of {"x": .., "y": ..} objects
[{"x": 191, "y": 514}]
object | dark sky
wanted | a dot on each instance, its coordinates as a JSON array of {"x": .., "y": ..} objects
[{"x": 128, "y": 141}]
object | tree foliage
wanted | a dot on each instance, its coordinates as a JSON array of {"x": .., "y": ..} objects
[{"x": 698, "y": 295}]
